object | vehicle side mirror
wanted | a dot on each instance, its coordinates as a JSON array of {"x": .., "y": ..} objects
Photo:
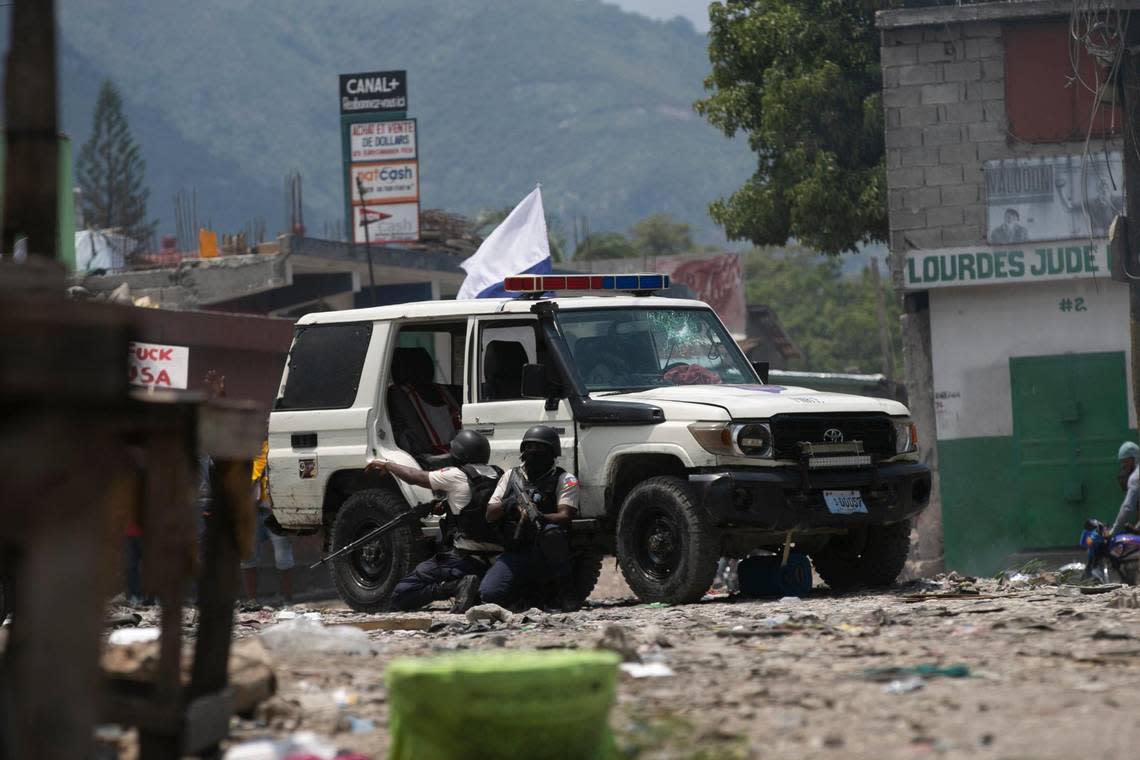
[
  {"x": 761, "y": 370},
  {"x": 534, "y": 381}
]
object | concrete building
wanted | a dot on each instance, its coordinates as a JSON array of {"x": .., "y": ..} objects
[{"x": 1004, "y": 171}]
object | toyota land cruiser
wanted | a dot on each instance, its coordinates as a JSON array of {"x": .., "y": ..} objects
[{"x": 683, "y": 451}]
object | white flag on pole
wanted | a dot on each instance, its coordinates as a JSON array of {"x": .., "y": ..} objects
[{"x": 517, "y": 246}]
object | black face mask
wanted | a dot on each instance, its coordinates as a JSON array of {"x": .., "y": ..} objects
[{"x": 537, "y": 462}]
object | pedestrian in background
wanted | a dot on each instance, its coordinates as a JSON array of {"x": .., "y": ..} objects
[{"x": 282, "y": 547}]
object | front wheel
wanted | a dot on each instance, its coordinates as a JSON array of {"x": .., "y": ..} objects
[
  {"x": 365, "y": 576},
  {"x": 667, "y": 546},
  {"x": 871, "y": 556},
  {"x": 1128, "y": 571}
]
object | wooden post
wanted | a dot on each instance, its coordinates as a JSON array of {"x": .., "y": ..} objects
[{"x": 32, "y": 136}]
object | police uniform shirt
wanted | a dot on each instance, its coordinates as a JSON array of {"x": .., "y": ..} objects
[
  {"x": 567, "y": 489},
  {"x": 452, "y": 483}
]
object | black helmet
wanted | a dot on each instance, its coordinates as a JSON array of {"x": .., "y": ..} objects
[
  {"x": 469, "y": 447},
  {"x": 543, "y": 434}
]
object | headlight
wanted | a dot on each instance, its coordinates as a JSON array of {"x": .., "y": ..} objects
[
  {"x": 754, "y": 439},
  {"x": 729, "y": 439},
  {"x": 906, "y": 437}
]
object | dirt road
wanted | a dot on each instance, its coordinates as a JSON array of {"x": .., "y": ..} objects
[{"x": 1049, "y": 671}]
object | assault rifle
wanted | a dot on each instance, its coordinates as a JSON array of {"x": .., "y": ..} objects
[
  {"x": 412, "y": 517},
  {"x": 524, "y": 504}
]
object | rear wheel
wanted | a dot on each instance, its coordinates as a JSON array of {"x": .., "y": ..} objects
[
  {"x": 870, "y": 556},
  {"x": 365, "y": 576},
  {"x": 667, "y": 546}
]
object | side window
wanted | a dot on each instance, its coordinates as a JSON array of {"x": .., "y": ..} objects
[
  {"x": 504, "y": 347},
  {"x": 324, "y": 366},
  {"x": 437, "y": 345}
]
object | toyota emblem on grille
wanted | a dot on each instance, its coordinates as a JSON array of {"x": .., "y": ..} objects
[{"x": 833, "y": 435}]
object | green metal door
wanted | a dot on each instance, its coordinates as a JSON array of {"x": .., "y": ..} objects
[{"x": 1070, "y": 413}]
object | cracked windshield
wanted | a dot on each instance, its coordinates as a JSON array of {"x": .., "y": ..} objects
[{"x": 635, "y": 349}]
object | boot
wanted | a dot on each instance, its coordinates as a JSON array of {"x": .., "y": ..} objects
[{"x": 466, "y": 594}]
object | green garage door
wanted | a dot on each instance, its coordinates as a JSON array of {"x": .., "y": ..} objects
[{"x": 1070, "y": 413}]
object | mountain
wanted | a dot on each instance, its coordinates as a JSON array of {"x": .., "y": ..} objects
[{"x": 226, "y": 96}]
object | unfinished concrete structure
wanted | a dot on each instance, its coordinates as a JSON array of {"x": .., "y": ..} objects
[{"x": 1003, "y": 171}]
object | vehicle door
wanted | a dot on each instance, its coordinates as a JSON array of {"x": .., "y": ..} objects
[{"x": 498, "y": 348}]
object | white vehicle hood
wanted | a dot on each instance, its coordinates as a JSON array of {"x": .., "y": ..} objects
[{"x": 754, "y": 401}]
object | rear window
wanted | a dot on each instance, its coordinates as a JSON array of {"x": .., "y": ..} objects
[{"x": 324, "y": 366}]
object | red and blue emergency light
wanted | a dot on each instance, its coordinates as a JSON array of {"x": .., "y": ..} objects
[{"x": 546, "y": 282}]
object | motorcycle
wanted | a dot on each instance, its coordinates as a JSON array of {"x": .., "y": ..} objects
[{"x": 1120, "y": 552}]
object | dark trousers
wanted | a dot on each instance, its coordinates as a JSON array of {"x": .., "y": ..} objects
[
  {"x": 133, "y": 557},
  {"x": 522, "y": 571},
  {"x": 434, "y": 579}
]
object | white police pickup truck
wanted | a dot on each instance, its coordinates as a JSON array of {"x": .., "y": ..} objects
[{"x": 684, "y": 453}]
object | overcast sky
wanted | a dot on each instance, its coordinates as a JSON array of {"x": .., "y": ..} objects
[{"x": 696, "y": 11}]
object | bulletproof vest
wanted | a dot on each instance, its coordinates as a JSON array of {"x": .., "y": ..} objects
[
  {"x": 471, "y": 522},
  {"x": 543, "y": 492}
]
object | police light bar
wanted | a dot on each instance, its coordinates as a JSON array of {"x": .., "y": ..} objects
[{"x": 627, "y": 282}]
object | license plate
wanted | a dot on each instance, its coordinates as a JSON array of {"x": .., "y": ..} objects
[{"x": 844, "y": 502}]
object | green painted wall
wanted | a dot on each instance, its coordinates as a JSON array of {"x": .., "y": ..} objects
[{"x": 985, "y": 514}]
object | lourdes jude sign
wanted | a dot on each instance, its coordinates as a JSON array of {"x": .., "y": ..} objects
[
  {"x": 380, "y": 158},
  {"x": 955, "y": 267}
]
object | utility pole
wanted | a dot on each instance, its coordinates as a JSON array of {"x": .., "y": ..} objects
[
  {"x": 367, "y": 242},
  {"x": 885, "y": 350},
  {"x": 1130, "y": 85},
  {"x": 32, "y": 135}
]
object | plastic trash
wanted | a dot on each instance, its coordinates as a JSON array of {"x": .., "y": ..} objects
[
  {"x": 536, "y": 705},
  {"x": 902, "y": 686},
  {"x": 489, "y": 613},
  {"x": 302, "y": 635},
  {"x": 764, "y": 576},
  {"x": 124, "y": 636},
  {"x": 301, "y": 744},
  {"x": 646, "y": 669},
  {"x": 359, "y": 725},
  {"x": 926, "y": 670}
]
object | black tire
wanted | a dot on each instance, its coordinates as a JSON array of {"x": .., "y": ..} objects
[
  {"x": 586, "y": 568},
  {"x": 667, "y": 546},
  {"x": 365, "y": 577},
  {"x": 872, "y": 556}
]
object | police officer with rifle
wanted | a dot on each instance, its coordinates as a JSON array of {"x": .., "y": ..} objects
[
  {"x": 466, "y": 487},
  {"x": 536, "y": 503}
]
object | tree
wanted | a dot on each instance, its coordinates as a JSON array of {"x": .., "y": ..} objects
[
  {"x": 605, "y": 245},
  {"x": 832, "y": 318},
  {"x": 662, "y": 235},
  {"x": 801, "y": 78},
  {"x": 112, "y": 172}
]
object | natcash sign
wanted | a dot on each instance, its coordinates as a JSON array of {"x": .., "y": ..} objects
[
  {"x": 956, "y": 267},
  {"x": 373, "y": 92}
]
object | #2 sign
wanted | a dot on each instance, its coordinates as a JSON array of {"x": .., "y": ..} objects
[{"x": 156, "y": 366}]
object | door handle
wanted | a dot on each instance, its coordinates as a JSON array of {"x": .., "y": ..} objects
[{"x": 487, "y": 430}]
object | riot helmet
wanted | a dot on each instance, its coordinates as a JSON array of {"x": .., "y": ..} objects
[
  {"x": 469, "y": 447},
  {"x": 543, "y": 434}
]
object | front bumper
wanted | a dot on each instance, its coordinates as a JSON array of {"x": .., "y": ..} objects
[{"x": 782, "y": 499}]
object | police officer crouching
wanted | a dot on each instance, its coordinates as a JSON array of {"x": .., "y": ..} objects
[
  {"x": 536, "y": 503},
  {"x": 453, "y": 574}
]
